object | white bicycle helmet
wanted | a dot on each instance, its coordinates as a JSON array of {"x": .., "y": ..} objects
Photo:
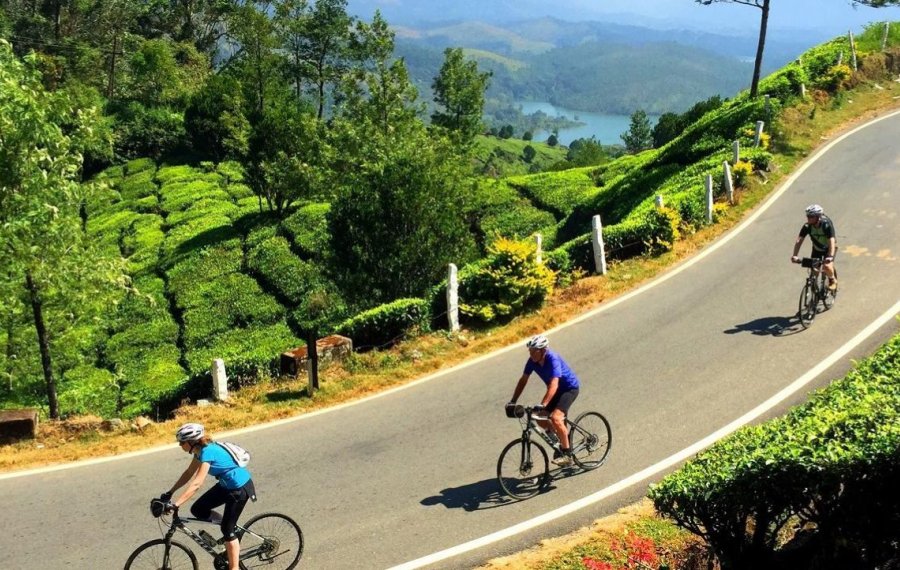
[
  {"x": 814, "y": 210},
  {"x": 189, "y": 432},
  {"x": 538, "y": 342}
]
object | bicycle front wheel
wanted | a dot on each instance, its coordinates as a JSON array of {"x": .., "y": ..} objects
[
  {"x": 157, "y": 555},
  {"x": 273, "y": 541},
  {"x": 523, "y": 469},
  {"x": 808, "y": 302},
  {"x": 590, "y": 439}
]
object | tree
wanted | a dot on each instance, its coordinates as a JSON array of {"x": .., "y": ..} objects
[
  {"x": 763, "y": 5},
  {"x": 528, "y": 153},
  {"x": 639, "y": 135},
  {"x": 45, "y": 253},
  {"x": 586, "y": 152},
  {"x": 215, "y": 121},
  {"x": 257, "y": 59},
  {"x": 553, "y": 140},
  {"x": 506, "y": 131},
  {"x": 459, "y": 90},
  {"x": 667, "y": 127},
  {"x": 324, "y": 46}
]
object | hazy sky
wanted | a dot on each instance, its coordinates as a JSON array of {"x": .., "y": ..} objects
[{"x": 827, "y": 17}]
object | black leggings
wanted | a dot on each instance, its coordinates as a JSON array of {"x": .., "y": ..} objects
[{"x": 234, "y": 501}]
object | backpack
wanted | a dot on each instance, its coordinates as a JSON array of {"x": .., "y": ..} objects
[{"x": 240, "y": 455}]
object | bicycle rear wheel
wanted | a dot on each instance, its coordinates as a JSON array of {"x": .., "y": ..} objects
[
  {"x": 273, "y": 541},
  {"x": 590, "y": 439},
  {"x": 157, "y": 555},
  {"x": 523, "y": 469},
  {"x": 808, "y": 302}
]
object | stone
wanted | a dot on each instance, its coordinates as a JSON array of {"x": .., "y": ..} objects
[
  {"x": 18, "y": 424},
  {"x": 331, "y": 348}
]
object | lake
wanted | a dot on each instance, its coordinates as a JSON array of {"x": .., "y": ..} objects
[{"x": 606, "y": 128}]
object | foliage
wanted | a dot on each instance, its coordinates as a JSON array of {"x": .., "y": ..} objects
[
  {"x": 506, "y": 283},
  {"x": 639, "y": 135},
  {"x": 215, "y": 119},
  {"x": 385, "y": 324},
  {"x": 829, "y": 466},
  {"x": 66, "y": 280},
  {"x": 86, "y": 389},
  {"x": 148, "y": 131},
  {"x": 459, "y": 92},
  {"x": 741, "y": 172}
]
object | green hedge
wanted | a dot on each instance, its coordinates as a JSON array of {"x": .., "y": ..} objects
[
  {"x": 155, "y": 384},
  {"x": 138, "y": 185},
  {"x": 139, "y": 165},
  {"x": 86, "y": 389},
  {"x": 287, "y": 274},
  {"x": 247, "y": 352},
  {"x": 308, "y": 229},
  {"x": 831, "y": 465},
  {"x": 201, "y": 266},
  {"x": 385, "y": 324}
]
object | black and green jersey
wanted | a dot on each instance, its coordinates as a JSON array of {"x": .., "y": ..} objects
[{"x": 819, "y": 235}]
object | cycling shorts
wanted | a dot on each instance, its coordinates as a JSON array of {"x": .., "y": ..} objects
[
  {"x": 562, "y": 401},
  {"x": 234, "y": 501}
]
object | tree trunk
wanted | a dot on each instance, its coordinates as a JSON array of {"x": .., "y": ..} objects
[
  {"x": 43, "y": 342},
  {"x": 760, "y": 48}
]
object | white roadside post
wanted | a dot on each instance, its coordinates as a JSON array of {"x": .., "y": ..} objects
[
  {"x": 884, "y": 36},
  {"x": 597, "y": 242},
  {"x": 538, "y": 253},
  {"x": 452, "y": 298},
  {"x": 219, "y": 380},
  {"x": 709, "y": 199},
  {"x": 659, "y": 202},
  {"x": 852, "y": 51},
  {"x": 803, "y": 90},
  {"x": 729, "y": 184},
  {"x": 759, "y": 131},
  {"x": 735, "y": 151}
]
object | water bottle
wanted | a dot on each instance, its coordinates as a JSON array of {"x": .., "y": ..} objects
[{"x": 208, "y": 539}]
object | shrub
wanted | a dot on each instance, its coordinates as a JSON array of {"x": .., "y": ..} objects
[
  {"x": 86, "y": 389},
  {"x": 289, "y": 275},
  {"x": 385, "y": 324},
  {"x": 835, "y": 79},
  {"x": 139, "y": 165},
  {"x": 741, "y": 172},
  {"x": 247, "y": 352},
  {"x": 155, "y": 383},
  {"x": 829, "y": 466},
  {"x": 509, "y": 282},
  {"x": 308, "y": 228},
  {"x": 661, "y": 229}
]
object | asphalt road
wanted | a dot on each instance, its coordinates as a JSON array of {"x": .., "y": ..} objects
[{"x": 393, "y": 479}]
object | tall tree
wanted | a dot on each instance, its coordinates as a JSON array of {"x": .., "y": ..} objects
[
  {"x": 459, "y": 90},
  {"x": 326, "y": 46},
  {"x": 291, "y": 22},
  {"x": 400, "y": 215},
  {"x": 763, "y": 5},
  {"x": 639, "y": 135},
  {"x": 257, "y": 58},
  {"x": 43, "y": 248}
]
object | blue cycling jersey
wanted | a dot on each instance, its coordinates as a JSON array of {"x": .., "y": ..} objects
[
  {"x": 223, "y": 467},
  {"x": 554, "y": 367}
]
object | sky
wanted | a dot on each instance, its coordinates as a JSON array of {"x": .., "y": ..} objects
[{"x": 826, "y": 17}]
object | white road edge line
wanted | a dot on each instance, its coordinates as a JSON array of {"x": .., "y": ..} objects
[
  {"x": 589, "y": 314},
  {"x": 663, "y": 464}
]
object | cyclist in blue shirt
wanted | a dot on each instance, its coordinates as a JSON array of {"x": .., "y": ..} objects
[
  {"x": 234, "y": 487},
  {"x": 562, "y": 389}
]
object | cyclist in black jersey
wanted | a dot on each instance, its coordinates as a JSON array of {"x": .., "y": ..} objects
[{"x": 820, "y": 230}]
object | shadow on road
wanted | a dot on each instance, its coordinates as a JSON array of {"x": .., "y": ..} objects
[
  {"x": 771, "y": 326},
  {"x": 485, "y": 494}
]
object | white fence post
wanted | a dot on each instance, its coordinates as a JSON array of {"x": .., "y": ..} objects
[
  {"x": 803, "y": 90},
  {"x": 735, "y": 151},
  {"x": 659, "y": 201},
  {"x": 768, "y": 106},
  {"x": 597, "y": 242},
  {"x": 884, "y": 36},
  {"x": 538, "y": 253},
  {"x": 852, "y": 50},
  {"x": 452, "y": 298},
  {"x": 729, "y": 184},
  {"x": 709, "y": 199},
  {"x": 219, "y": 380},
  {"x": 760, "y": 125}
]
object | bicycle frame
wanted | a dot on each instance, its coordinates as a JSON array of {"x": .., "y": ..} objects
[
  {"x": 530, "y": 425},
  {"x": 180, "y": 524}
]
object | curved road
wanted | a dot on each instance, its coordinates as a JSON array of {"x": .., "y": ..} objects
[{"x": 391, "y": 480}]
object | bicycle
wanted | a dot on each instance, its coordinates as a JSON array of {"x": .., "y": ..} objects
[
  {"x": 814, "y": 290},
  {"x": 523, "y": 469},
  {"x": 269, "y": 540}
]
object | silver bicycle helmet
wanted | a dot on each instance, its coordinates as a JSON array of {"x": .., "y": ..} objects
[
  {"x": 538, "y": 342},
  {"x": 189, "y": 432},
  {"x": 814, "y": 210}
]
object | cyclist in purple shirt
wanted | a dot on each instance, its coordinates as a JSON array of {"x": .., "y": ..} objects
[{"x": 562, "y": 389}]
